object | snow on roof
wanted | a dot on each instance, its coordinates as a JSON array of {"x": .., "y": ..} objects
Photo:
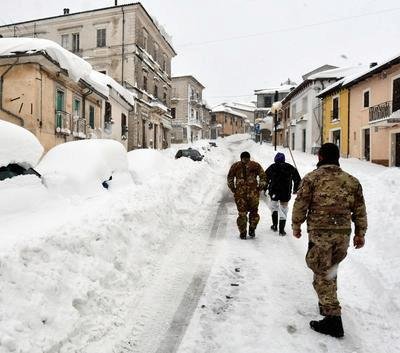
[
  {"x": 77, "y": 68},
  {"x": 367, "y": 70},
  {"x": 105, "y": 82},
  {"x": 250, "y": 107},
  {"x": 281, "y": 89},
  {"x": 224, "y": 109},
  {"x": 339, "y": 72},
  {"x": 351, "y": 74},
  {"x": 18, "y": 145}
]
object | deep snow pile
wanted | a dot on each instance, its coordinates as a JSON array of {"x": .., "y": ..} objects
[
  {"x": 80, "y": 167},
  {"x": 72, "y": 270},
  {"x": 18, "y": 145}
]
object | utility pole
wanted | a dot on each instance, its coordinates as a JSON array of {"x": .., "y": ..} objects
[{"x": 275, "y": 118}]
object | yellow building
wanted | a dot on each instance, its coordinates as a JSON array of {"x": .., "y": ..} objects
[{"x": 335, "y": 116}]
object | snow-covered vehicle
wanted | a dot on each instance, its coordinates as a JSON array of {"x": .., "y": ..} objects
[
  {"x": 21, "y": 188},
  {"x": 85, "y": 167},
  {"x": 191, "y": 153},
  {"x": 20, "y": 151}
]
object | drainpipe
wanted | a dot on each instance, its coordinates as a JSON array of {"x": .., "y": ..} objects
[
  {"x": 1, "y": 94},
  {"x": 348, "y": 123},
  {"x": 123, "y": 45}
]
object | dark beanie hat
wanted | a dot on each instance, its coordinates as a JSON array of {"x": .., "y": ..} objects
[
  {"x": 329, "y": 152},
  {"x": 245, "y": 155},
  {"x": 279, "y": 158}
]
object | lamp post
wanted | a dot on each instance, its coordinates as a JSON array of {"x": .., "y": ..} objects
[{"x": 276, "y": 97}]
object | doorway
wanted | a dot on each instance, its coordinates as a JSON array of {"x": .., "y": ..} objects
[
  {"x": 367, "y": 144},
  {"x": 336, "y": 138}
]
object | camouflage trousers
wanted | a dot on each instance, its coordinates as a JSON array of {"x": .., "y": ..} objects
[
  {"x": 326, "y": 249},
  {"x": 247, "y": 203}
]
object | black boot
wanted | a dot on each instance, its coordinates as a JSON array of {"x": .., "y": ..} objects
[
  {"x": 274, "y": 226},
  {"x": 282, "y": 223},
  {"x": 252, "y": 232},
  {"x": 243, "y": 235},
  {"x": 330, "y": 325}
]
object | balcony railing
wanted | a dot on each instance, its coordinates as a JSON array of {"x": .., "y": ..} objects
[
  {"x": 79, "y": 127},
  {"x": 195, "y": 122},
  {"x": 63, "y": 122},
  {"x": 380, "y": 111}
]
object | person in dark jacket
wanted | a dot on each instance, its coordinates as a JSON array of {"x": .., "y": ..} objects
[{"x": 282, "y": 179}]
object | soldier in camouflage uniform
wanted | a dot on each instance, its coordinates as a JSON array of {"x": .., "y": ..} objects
[
  {"x": 242, "y": 181},
  {"x": 329, "y": 199}
]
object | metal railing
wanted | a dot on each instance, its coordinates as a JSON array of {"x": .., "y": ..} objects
[
  {"x": 63, "y": 122},
  {"x": 79, "y": 127},
  {"x": 380, "y": 111}
]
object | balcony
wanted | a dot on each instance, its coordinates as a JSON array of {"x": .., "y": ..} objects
[
  {"x": 63, "y": 122},
  {"x": 383, "y": 114},
  {"x": 79, "y": 127},
  {"x": 195, "y": 123}
]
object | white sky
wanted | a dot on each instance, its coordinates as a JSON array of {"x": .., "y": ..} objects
[{"x": 280, "y": 38}]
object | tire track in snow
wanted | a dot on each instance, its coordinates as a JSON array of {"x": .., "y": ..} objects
[{"x": 190, "y": 300}]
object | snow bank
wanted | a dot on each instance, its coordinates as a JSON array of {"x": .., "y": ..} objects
[
  {"x": 18, "y": 145},
  {"x": 145, "y": 164},
  {"x": 80, "y": 167}
]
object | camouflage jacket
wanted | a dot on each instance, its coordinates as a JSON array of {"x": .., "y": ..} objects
[
  {"x": 243, "y": 177},
  {"x": 329, "y": 198}
]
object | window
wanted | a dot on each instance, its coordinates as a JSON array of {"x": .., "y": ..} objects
[
  {"x": 65, "y": 41},
  {"x": 294, "y": 111},
  {"x": 366, "y": 99},
  {"x": 101, "y": 37},
  {"x": 305, "y": 104},
  {"x": 197, "y": 115},
  {"x": 173, "y": 113},
  {"x": 165, "y": 98},
  {"x": 184, "y": 132},
  {"x": 75, "y": 42},
  {"x": 77, "y": 108},
  {"x": 267, "y": 101},
  {"x": 60, "y": 104},
  {"x": 155, "y": 51},
  {"x": 145, "y": 39},
  {"x": 107, "y": 113},
  {"x": 335, "y": 108},
  {"x": 145, "y": 82},
  {"x": 91, "y": 116},
  {"x": 155, "y": 91},
  {"x": 124, "y": 127},
  {"x": 192, "y": 113},
  {"x": 164, "y": 66}
]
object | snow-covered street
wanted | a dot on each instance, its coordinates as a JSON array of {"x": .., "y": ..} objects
[{"x": 158, "y": 266}]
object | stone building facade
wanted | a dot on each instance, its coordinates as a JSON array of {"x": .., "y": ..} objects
[
  {"x": 126, "y": 43},
  {"x": 187, "y": 108}
]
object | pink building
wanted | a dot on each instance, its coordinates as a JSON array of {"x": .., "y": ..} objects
[{"x": 374, "y": 108}]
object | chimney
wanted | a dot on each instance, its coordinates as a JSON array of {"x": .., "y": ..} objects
[
  {"x": 372, "y": 65},
  {"x": 116, "y": 2},
  {"x": 66, "y": 11}
]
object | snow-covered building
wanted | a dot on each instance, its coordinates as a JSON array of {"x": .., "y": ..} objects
[
  {"x": 305, "y": 129},
  {"x": 228, "y": 121},
  {"x": 126, "y": 43},
  {"x": 187, "y": 109},
  {"x": 47, "y": 90},
  {"x": 57, "y": 96},
  {"x": 267, "y": 96}
]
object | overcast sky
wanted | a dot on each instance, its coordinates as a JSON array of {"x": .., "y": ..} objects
[{"x": 236, "y": 46}]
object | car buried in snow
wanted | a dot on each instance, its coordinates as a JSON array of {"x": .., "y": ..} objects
[
  {"x": 20, "y": 151},
  {"x": 191, "y": 153}
]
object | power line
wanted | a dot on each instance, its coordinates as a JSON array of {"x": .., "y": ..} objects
[{"x": 289, "y": 29}]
